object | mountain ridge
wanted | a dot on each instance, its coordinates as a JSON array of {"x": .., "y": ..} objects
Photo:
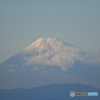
[{"x": 50, "y": 92}]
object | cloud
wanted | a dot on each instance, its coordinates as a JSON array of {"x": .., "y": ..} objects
[
  {"x": 11, "y": 70},
  {"x": 64, "y": 57},
  {"x": 35, "y": 68},
  {"x": 55, "y": 52},
  {"x": 90, "y": 59}
]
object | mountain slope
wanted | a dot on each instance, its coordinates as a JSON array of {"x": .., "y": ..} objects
[{"x": 48, "y": 61}]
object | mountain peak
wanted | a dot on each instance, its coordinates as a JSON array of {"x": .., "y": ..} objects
[
  {"x": 34, "y": 44},
  {"x": 43, "y": 43},
  {"x": 50, "y": 51}
]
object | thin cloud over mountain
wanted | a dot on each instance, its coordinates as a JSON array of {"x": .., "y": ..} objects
[{"x": 52, "y": 51}]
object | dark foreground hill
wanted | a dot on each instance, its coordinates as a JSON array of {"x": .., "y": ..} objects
[{"x": 50, "y": 92}]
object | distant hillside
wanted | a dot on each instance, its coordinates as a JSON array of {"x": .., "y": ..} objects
[{"x": 49, "y": 92}]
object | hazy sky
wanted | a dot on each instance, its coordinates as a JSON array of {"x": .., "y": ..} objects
[{"x": 76, "y": 22}]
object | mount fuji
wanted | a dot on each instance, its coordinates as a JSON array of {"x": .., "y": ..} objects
[{"x": 47, "y": 61}]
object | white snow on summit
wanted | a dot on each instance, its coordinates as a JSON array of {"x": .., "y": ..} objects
[
  {"x": 33, "y": 45},
  {"x": 43, "y": 44},
  {"x": 52, "y": 51}
]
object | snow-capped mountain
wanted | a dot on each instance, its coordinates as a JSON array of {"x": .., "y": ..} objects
[
  {"x": 51, "y": 51},
  {"x": 44, "y": 44},
  {"x": 45, "y": 61}
]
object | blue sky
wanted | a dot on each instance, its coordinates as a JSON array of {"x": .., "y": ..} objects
[{"x": 76, "y": 22}]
